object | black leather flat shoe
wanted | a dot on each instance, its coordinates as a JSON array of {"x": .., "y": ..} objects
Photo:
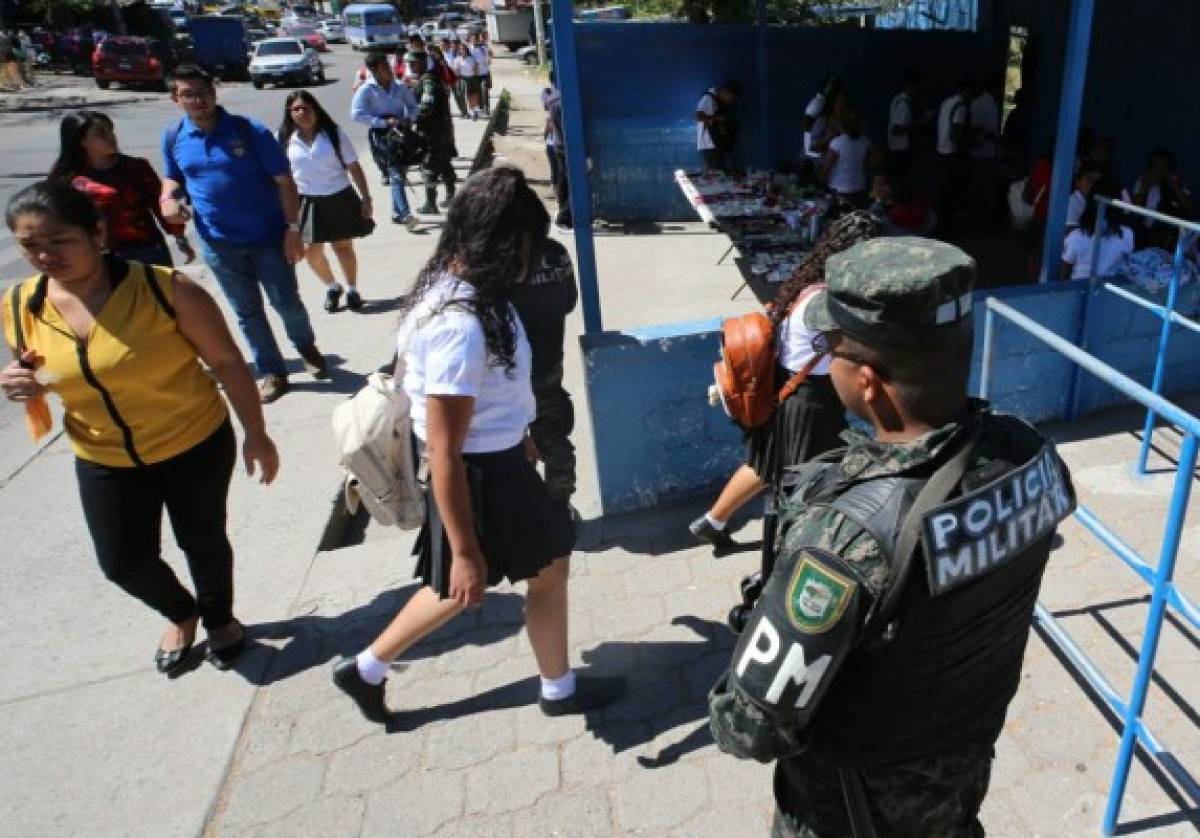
[
  {"x": 168, "y": 663},
  {"x": 224, "y": 657}
]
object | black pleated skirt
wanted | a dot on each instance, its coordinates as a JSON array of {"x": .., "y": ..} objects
[
  {"x": 333, "y": 218},
  {"x": 520, "y": 527},
  {"x": 809, "y": 423}
]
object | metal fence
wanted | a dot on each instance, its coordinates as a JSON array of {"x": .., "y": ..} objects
[
  {"x": 1187, "y": 231},
  {"x": 1164, "y": 593}
]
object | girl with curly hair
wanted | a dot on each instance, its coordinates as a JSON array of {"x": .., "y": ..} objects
[
  {"x": 489, "y": 516},
  {"x": 810, "y": 421}
]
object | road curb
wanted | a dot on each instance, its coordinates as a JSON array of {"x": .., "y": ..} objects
[{"x": 54, "y": 103}]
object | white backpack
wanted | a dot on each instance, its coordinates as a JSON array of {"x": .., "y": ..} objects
[
  {"x": 1019, "y": 209},
  {"x": 374, "y": 439}
]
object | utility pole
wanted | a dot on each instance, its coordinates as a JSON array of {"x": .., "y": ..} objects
[{"x": 539, "y": 32}]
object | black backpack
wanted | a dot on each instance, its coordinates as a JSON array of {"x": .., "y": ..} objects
[{"x": 404, "y": 146}]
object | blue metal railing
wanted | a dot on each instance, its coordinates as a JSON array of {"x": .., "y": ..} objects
[
  {"x": 1164, "y": 592},
  {"x": 1166, "y": 313}
]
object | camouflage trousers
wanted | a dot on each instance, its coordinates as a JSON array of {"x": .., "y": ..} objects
[
  {"x": 551, "y": 432},
  {"x": 438, "y": 165},
  {"x": 934, "y": 797}
]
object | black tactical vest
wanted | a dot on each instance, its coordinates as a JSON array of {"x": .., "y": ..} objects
[{"x": 942, "y": 673}]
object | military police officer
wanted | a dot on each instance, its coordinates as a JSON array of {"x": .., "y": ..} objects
[
  {"x": 435, "y": 124},
  {"x": 878, "y": 664}
]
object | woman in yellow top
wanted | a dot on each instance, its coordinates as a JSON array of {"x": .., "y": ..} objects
[{"x": 120, "y": 343}]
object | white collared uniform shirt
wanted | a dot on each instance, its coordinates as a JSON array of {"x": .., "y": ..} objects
[
  {"x": 445, "y": 354},
  {"x": 316, "y": 168},
  {"x": 900, "y": 116}
]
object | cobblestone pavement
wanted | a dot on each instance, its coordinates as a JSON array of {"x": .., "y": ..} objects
[{"x": 468, "y": 752}]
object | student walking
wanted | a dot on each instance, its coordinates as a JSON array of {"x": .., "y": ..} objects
[
  {"x": 383, "y": 103},
  {"x": 716, "y": 128},
  {"x": 810, "y": 421},
  {"x": 125, "y": 189},
  {"x": 467, "y": 67},
  {"x": 121, "y": 343},
  {"x": 323, "y": 163},
  {"x": 489, "y": 515},
  {"x": 482, "y": 54},
  {"x": 247, "y": 213}
]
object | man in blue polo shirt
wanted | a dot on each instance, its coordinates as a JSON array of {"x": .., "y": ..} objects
[{"x": 246, "y": 207}]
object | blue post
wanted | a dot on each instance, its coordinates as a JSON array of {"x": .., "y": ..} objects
[
  {"x": 1079, "y": 39},
  {"x": 566, "y": 71},
  {"x": 764, "y": 81},
  {"x": 1164, "y": 340},
  {"x": 1158, "y": 601}
]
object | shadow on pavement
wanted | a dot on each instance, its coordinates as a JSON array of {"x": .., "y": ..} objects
[
  {"x": 314, "y": 640},
  {"x": 661, "y": 530}
]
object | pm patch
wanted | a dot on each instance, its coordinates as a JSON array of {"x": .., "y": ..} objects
[{"x": 817, "y": 596}]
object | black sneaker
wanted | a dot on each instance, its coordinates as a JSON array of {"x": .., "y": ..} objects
[
  {"x": 703, "y": 530},
  {"x": 428, "y": 209},
  {"x": 314, "y": 361},
  {"x": 332, "y": 297},
  {"x": 353, "y": 301},
  {"x": 591, "y": 693},
  {"x": 368, "y": 697}
]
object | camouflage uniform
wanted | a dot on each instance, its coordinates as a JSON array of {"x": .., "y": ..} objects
[
  {"x": 435, "y": 123},
  {"x": 543, "y": 303},
  {"x": 940, "y": 790}
]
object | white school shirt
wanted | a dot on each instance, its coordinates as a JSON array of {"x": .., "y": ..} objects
[
  {"x": 815, "y": 105},
  {"x": 1077, "y": 252},
  {"x": 795, "y": 343},
  {"x": 900, "y": 116},
  {"x": 952, "y": 114},
  {"x": 985, "y": 117},
  {"x": 446, "y": 355},
  {"x": 466, "y": 66},
  {"x": 708, "y": 106},
  {"x": 316, "y": 168},
  {"x": 849, "y": 173},
  {"x": 482, "y": 62},
  {"x": 1076, "y": 204}
]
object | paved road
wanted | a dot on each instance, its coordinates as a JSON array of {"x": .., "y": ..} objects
[{"x": 29, "y": 144}]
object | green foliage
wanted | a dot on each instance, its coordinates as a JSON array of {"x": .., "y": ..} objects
[{"x": 779, "y": 12}]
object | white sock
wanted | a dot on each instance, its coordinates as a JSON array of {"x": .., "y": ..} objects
[
  {"x": 335, "y": 286},
  {"x": 719, "y": 526},
  {"x": 556, "y": 689},
  {"x": 371, "y": 668}
]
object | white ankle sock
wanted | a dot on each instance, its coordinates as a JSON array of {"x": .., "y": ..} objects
[
  {"x": 371, "y": 668},
  {"x": 335, "y": 286},
  {"x": 719, "y": 526},
  {"x": 556, "y": 689}
]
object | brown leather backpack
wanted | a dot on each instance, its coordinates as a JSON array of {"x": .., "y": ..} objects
[{"x": 745, "y": 375}]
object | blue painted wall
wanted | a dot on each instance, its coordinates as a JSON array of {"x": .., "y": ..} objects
[
  {"x": 661, "y": 440},
  {"x": 641, "y": 83}
]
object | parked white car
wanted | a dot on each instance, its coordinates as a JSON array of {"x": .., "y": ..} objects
[
  {"x": 285, "y": 61},
  {"x": 333, "y": 31}
]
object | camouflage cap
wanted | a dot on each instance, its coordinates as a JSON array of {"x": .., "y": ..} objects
[{"x": 896, "y": 290}]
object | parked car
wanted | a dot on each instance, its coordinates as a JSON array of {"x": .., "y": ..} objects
[
  {"x": 285, "y": 61},
  {"x": 333, "y": 31},
  {"x": 309, "y": 36},
  {"x": 130, "y": 60}
]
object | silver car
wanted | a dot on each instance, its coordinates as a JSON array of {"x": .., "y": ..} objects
[
  {"x": 333, "y": 31},
  {"x": 285, "y": 61}
]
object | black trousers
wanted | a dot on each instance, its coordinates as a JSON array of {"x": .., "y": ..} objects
[
  {"x": 562, "y": 191},
  {"x": 124, "y": 507}
]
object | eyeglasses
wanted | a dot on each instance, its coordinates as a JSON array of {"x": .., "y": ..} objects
[
  {"x": 821, "y": 345},
  {"x": 195, "y": 95}
]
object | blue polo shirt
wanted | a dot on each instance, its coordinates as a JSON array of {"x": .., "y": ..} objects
[{"x": 229, "y": 175}]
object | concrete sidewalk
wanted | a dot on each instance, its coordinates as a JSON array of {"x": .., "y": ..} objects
[
  {"x": 94, "y": 742},
  {"x": 63, "y": 91}
]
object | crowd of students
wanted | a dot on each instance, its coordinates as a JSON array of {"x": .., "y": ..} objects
[
  {"x": 948, "y": 170},
  {"x": 136, "y": 351},
  {"x": 464, "y": 66}
]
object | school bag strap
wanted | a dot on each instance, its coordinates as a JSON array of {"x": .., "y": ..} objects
[
  {"x": 156, "y": 290},
  {"x": 14, "y": 297}
]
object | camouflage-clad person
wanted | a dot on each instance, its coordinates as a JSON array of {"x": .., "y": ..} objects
[
  {"x": 878, "y": 664},
  {"x": 543, "y": 302},
  {"x": 436, "y": 124}
]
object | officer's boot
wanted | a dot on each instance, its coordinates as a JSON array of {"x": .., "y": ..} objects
[{"x": 430, "y": 207}]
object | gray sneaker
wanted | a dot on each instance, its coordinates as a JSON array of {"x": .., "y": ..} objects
[
  {"x": 705, "y": 531},
  {"x": 271, "y": 388}
]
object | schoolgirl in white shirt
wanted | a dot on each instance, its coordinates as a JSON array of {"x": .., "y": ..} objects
[
  {"x": 489, "y": 516},
  {"x": 1116, "y": 242},
  {"x": 323, "y": 162}
]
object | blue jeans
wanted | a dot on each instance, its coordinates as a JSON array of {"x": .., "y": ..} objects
[
  {"x": 239, "y": 270},
  {"x": 399, "y": 194}
]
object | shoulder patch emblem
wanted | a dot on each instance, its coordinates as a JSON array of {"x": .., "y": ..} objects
[{"x": 817, "y": 596}]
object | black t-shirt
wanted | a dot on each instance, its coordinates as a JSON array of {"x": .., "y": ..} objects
[{"x": 543, "y": 302}]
